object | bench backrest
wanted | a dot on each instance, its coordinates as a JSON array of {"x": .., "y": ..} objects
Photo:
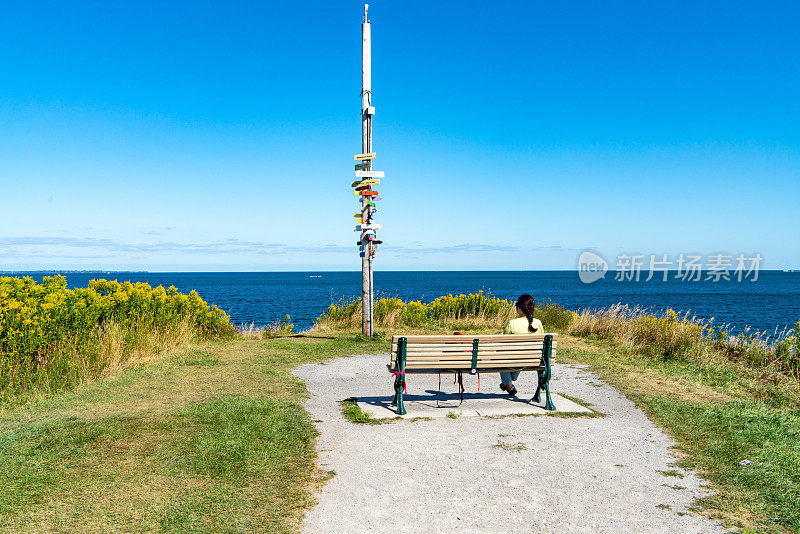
[{"x": 480, "y": 352}]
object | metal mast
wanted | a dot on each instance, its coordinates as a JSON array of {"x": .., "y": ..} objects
[{"x": 364, "y": 170}]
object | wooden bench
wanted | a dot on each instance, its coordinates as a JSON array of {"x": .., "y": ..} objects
[{"x": 474, "y": 354}]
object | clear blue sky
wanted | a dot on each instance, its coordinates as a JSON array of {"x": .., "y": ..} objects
[{"x": 219, "y": 135}]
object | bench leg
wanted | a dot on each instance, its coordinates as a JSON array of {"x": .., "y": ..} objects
[
  {"x": 544, "y": 385},
  {"x": 398, "y": 396},
  {"x": 548, "y": 405},
  {"x": 544, "y": 376},
  {"x": 538, "y": 387}
]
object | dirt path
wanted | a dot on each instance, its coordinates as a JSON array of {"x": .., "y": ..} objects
[{"x": 509, "y": 474}]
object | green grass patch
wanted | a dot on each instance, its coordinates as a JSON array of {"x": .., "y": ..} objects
[
  {"x": 672, "y": 473},
  {"x": 353, "y": 413},
  {"x": 210, "y": 439}
]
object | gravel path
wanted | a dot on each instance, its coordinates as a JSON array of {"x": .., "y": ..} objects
[{"x": 478, "y": 474}]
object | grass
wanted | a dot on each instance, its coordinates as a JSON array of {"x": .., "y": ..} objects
[
  {"x": 213, "y": 438},
  {"x": 672, "y": 473},
  {"x": 209, "y": 439},
  {"x": 719, "y": 412},
  {"x": 516, "y": 447},
  {"x": 353, "y": 413}
]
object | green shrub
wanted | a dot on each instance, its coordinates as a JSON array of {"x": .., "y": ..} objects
[
  {"x": 279, "y": 328},
  {"x": 554, "y": 318},
  {"x": 476, "y": 309},
  {"x": 52, "y": 337}
]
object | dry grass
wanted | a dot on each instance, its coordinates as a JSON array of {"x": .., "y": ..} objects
[
  {"x": 147, "y": 345},
  {"x": 278, "y": 328},
  {"x": 683, "y": 336}
]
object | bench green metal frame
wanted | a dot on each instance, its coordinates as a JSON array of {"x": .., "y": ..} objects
[
  {"x": 400, "y": 376},
  {"x": 543, "y": 383}
]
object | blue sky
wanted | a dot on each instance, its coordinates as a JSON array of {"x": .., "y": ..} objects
[{"x": 155, "y": 135}]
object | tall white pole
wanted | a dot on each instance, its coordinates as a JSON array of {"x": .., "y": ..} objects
[{"x": 367, "y": 327}]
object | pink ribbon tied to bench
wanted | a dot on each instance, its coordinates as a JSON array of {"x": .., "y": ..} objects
[{"x": 398, "y": 373}]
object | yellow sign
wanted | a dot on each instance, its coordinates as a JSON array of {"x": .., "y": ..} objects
[
  {"x": 357, "y": 215},
  {"x": 359, "y": 157},
  {"x": 358, "y": 183}
]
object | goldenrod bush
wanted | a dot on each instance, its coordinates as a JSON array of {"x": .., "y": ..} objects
[
  {"x": 52, "y": 337},
  {"x": 476, "y": 310}
]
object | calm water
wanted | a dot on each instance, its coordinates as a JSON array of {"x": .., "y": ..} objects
[{"x": 772, "y": 301}]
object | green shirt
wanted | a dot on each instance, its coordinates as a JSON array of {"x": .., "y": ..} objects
[{"x": 520, "y": 326}]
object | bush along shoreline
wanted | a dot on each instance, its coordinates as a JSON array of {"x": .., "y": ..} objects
[
  {"x": 52, "y": 337},
  {"x": 669, "y": 334}
]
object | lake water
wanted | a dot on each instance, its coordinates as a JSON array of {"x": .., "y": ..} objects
[{"x": 773, "y": 301}]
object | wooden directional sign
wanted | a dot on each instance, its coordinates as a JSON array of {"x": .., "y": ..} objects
[
  {"x": 357, "y": 215},
  {"x": 359, "y": 157},
  {"x": 368, "y": 226},
  {"x": 366, "y": 182},
  {"x": 365, "y": 193},
  {"x": 369, "y": 174},
  {"x": 362, "y": 166}
]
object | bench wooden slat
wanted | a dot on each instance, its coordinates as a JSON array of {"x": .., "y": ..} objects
[
  {"x": 439, "y": 370},
  {"x": 461, "y": 341},
  {"x": 532, "y": 363},
  {"x": 527, "y": 352},
  {"x": 484, "y": 356},
  {"x": 450, "y": 349},
  {"x": 468, "y": 347},
  {"x": 481, "y": 365},
  {"x": 463, "y": 349},
  {"x": 467, "y": 365},
  {"x": 489, "y": 338},
  {"x": 468, "y": 354}
]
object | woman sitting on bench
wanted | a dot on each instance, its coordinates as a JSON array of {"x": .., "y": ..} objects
[{"x": 523, "y": 324}]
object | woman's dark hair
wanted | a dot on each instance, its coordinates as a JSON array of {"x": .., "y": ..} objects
[{"x": 527, "y": 304}]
